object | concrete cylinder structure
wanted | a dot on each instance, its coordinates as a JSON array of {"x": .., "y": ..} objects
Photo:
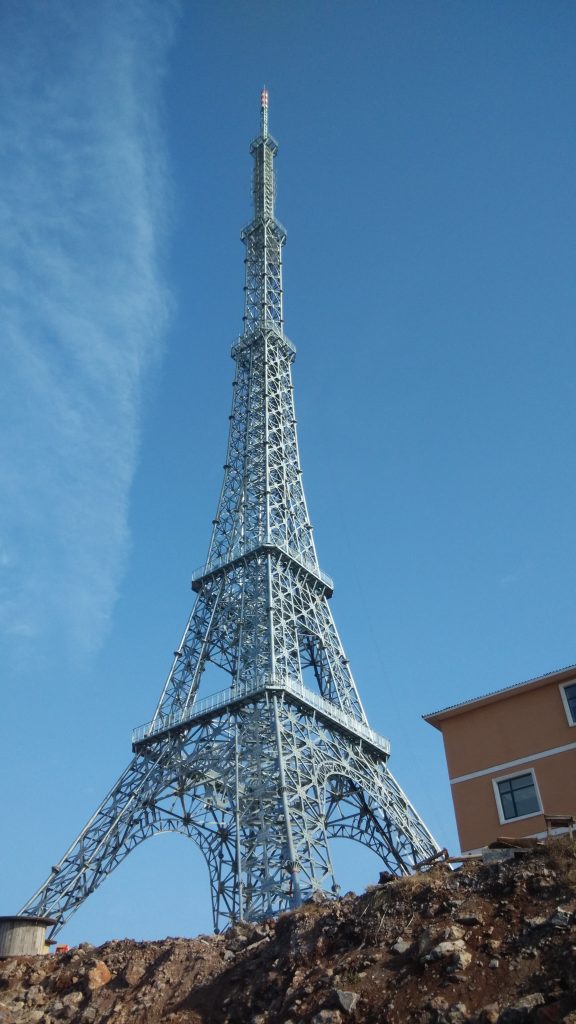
[{"x": 23, "y": 936}]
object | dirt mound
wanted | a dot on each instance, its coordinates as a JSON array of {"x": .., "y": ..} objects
[{"x": 490, "y": 943}]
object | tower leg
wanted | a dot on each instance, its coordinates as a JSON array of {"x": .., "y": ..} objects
[
  {"x": 154, "y": 794},
  {"x": 381, "y": 818},
  {"x": 124, "y": 818},
  {"x": 343, "y": 789}
]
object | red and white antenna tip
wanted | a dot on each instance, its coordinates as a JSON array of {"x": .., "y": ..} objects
[{"x": 264, "y": 99}]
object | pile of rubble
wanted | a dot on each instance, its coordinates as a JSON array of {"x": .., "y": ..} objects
[{"x": 489, "y": 943}]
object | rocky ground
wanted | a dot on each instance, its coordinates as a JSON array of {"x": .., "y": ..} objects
[{"x": 489, "y": 943}]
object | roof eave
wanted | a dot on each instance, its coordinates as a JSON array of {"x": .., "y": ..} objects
[{"x": 556, "y": 675}]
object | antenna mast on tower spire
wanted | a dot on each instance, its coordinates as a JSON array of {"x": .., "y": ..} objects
[{"x": 264, "y": 112}]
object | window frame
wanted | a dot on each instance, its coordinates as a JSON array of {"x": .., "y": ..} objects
[
  {"x": 563, "y": 687},
  {"x": 499, "y": 807}
]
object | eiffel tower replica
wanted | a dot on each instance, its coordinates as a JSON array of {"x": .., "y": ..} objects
[{"x": 262, "y": 774}]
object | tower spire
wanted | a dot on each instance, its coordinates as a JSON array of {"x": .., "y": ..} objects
[
  {"x": 264, "y": 236},
  {"x": 262, "y": 774}
]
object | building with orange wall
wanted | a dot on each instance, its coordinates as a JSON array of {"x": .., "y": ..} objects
[{"x": 511, "y": 758}]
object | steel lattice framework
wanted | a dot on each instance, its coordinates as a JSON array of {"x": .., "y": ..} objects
[{"x": 264, "y": 773}]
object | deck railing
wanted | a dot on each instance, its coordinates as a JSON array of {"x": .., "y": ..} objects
[{"x": 236, "y": 694}]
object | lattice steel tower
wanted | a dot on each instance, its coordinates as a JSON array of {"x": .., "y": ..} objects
[{"x": 262, "y": 774}]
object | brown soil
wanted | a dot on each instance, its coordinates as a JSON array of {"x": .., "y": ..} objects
[{"x": 488, "y": 943}]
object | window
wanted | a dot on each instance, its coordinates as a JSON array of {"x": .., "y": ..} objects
[
  {"x": 568, "y": 692},
  {"x": 517, "y": 796}
]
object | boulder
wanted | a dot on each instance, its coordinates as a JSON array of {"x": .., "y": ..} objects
[
  {"x": 453, "y": 950},
  {"x": 345, "y": 1000},
  {"x": 401, "y": 946},
  {"x": 489, "y": 1014},
  {"x": 458, "y": 1014},
  {"x": 97, "y": 976},
  {"x": 561, "y": 918},
  {"x": 522, "y": 1010}
]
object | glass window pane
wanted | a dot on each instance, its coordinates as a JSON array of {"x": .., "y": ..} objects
[
  {"x": 508, "y": 808},
  {"x": 570, "y": 692},
  {"x": 526, "y": 799},
  {"x": 518, "y": 796}
]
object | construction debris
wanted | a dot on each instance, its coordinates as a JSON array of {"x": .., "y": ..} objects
[{"x": 488, "y": 943}]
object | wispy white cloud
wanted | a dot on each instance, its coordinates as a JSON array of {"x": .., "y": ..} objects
[{"x": 82, "y": 299}]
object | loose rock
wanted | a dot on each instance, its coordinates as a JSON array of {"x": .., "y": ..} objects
[
  {"x": 346, "y": 1000},
  {"x": 408, "y": 952}
]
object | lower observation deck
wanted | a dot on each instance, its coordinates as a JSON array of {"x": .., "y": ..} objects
[{"x": 234, "y": 696}]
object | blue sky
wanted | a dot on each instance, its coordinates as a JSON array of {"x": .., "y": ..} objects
[{"x": 426, "y": 178}]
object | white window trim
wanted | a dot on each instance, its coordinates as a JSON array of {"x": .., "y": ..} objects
[
  {"x": 562, "y": 688},
  {"x": 521, "y": 817}
]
